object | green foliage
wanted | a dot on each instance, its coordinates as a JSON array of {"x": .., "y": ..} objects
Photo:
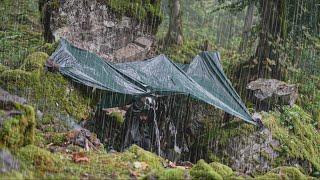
[{"x": 202, "y": 170}]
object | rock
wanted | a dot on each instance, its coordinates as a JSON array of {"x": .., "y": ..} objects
[
  {"x": 267, "y": 93},
  {"x": 144, "y": 42},
  {"x": 109, "y": 24},
  {"x": 253, "y": 156},
  {"x": 8, "y": 162},
  {"x": 129, "y": 52},
  {"x": 95, "y": 26},
  {"x": 7, "y": 100},
  {"x": 84, "y": 138}
]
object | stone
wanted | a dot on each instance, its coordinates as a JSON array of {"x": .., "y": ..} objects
[
  {"x": 93, "y": 26},
  {"x": 7, "y": 100},
  {"x": 109, "y": 24},
  {"x": 129, "y": 52},
  {"x": 144, "y": 42},
  {"x": 8, "y": 162},
  {"x": 267, "y": 93}
]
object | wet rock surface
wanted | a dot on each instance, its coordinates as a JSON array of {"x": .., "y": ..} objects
[
  {"x": 253, "y": 153},
  {"x": 7, "y": 100},
  {"x": 92, "y": 25},
  {"x": 268, "y": 93},
  {"x": 8, "y": 162}
]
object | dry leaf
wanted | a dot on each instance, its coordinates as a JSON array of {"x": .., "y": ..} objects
[{"x": 80, "y": 157}]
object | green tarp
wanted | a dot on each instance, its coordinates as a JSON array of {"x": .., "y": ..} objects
[{"x": 203, "y": 79}]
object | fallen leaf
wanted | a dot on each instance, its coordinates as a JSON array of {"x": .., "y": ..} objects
[{"x": 80, "y": 157}]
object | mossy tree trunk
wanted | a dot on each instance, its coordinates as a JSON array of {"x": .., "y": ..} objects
[
  {"x": 175, "y": 35},
  {"x": 271, "y": 36}
]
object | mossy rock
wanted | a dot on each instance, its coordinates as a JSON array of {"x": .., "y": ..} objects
[
  {"x": 39, "y": 159},
  {"x": 290, "y": 172},
  {"x": 154, "y": 161},
  {"x": 269, "y": 176},
  {"x": 17, "y": 77},
  {"x": 12, "y": 175},
  {"x": 19, "y": 130},
  {"x": 203, "y": 170},
  {"x": 222, "y": 169},
  {"x": 299, "y": 139},
  {"x": 35, "y": 61},
  {"x": 117, "y": 116},
  {"x": 57, "y": 138},
  {"x": 49, "y": 91},
  {"x": 142, "y": 10},
  {"x": 3, "y": 68}
]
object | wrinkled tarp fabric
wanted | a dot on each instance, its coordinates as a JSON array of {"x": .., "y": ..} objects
[{"x": 203, "y": 79}]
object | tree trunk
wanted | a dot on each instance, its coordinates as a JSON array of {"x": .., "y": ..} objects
[
  {"x": 174, "y": 35},
  {"x": 272, "y": 33},
  {"x": 247, "y": 27}
]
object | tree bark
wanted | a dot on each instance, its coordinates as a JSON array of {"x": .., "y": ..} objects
[
  {"x": 175, "y": 35},
  {"x": 272, "y": 32},
  {"x": 247, "y": 27}
]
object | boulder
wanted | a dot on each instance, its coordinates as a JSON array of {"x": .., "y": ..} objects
[
  {"x": 7, "y": 162},
  {"x": 17, "y": 121},
  {"x": 268, "y": 93},
  {"x": 97, "y": 26}
]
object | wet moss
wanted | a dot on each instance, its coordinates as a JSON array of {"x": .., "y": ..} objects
[
  {"x": 154, "y": 161},
  {"x": 12, "y": 175},
  {"x": 269, "y": 176},
  {"x": 118, "y": 117},
  {"x": 202, "y": 170},
  {"x": 221, "y": 169},
  {"x": 19, "y": 130},
  {"x": 143, "y": 10},
  {"x": 283, "y": 173},
  {"x": 299, "y": 139},
  {"x": 49, "y": 92},
  {"x": 39, "y": 160},
  {"x": 174, "y": 174},
  {"x": 35, "y": 61}
]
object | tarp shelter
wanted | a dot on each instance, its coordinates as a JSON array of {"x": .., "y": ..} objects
[{"x": 203, "y": 79}]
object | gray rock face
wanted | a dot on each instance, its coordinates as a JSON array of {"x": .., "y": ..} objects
[
  {"x": 7, "y": 162},
  {"x": 254, "y": 152},
  {"x": 91, "y": 25},
  {"x": 270, "y": 92}
]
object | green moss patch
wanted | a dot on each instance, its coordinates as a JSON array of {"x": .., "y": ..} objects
[
  {"x": 284, "y": 173},
  {"x": 35, "y": 61},
  {"x": 49, "y": 92},
  {"x": 41, "y": 160},
  {"x": 221, "y": 169},
  {"x": 298, "y": 137},
  {"x": 19, "y": 130},
  {"x": 202, "y": 170},
  {"x": 143, "y": 10}
]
